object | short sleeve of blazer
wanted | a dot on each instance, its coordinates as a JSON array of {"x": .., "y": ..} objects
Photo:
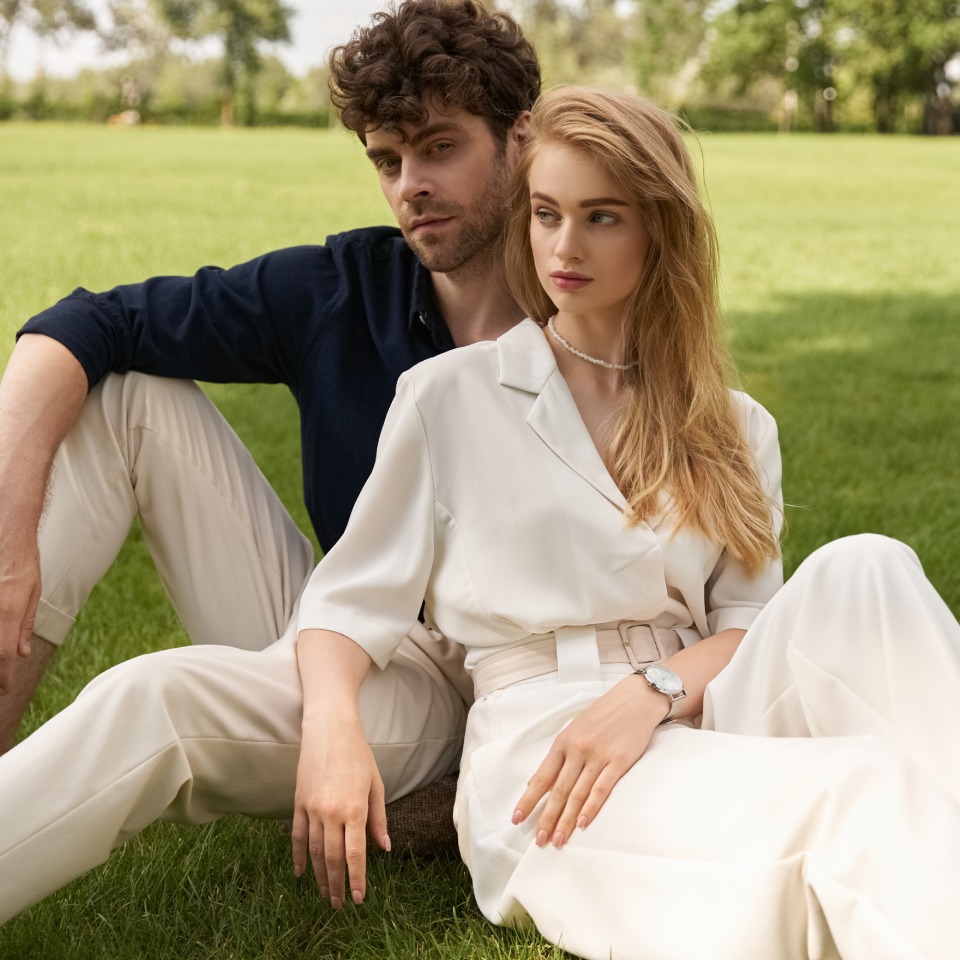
[
  {"x": 734, "y": 599},
  {"x": 370, "y": 586}
]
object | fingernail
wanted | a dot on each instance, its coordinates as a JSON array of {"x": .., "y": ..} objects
[
  {"x": 325, "y": 892},
  {"x": 541, "y": 838},
  {"x": 517, "y": 816},
  {"x": 558, "y": 839},
  {"x": 581, "y": 821},
  {"x": 336, "y": 903},
  {"x": 357, "y": 896},
  {"x": 297, "y": 869},
  {"x": 388, "y": 846}
]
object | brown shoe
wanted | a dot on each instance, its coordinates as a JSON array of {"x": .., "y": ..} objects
[{"x": 421, "y": 823}]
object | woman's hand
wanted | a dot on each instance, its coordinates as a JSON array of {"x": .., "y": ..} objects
[
  {"x": 588, "y": 758},
  {"x": 339, "y": 794},
  {"x": 339, "y": 791},
  {"x": 609, "y": 737}
]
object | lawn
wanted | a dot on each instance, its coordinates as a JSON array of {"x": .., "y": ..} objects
[{"x": 842, "y": 288}]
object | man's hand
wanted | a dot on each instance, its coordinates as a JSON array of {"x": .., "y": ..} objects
[
  {"x": 19, "y": 596},
  {"x": 339, "y": 794},
  {"x": 588, "y": 758}
]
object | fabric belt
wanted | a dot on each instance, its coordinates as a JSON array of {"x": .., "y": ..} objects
[{"x": 563, "y": 652}]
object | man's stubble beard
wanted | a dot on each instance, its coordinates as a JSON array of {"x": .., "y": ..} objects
[{"x": 480, "y": 232}]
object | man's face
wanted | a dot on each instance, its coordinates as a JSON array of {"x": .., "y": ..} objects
[{"x": 447, "y": 182}]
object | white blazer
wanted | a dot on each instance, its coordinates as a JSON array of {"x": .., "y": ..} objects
[{"x": 490, "y": 502}]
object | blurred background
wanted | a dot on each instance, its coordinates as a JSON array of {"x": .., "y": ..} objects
[{"x": 890, "y": 66}]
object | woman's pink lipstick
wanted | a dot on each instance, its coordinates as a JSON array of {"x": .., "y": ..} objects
[{"x": 564, "y": 280}]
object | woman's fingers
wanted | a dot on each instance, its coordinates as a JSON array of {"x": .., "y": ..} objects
[
  {"x": 539, "y": 784},
  {"x": 377, "y": 816}
]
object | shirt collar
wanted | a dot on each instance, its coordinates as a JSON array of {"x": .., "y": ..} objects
[{"x": 425, "y": 313}]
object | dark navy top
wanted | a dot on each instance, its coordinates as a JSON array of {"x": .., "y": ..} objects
[{"x": 337, "y": 324}]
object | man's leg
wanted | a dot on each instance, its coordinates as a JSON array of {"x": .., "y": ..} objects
[
  {"x": 230, "y": 556},
  {"x": 192, "y": 734}
]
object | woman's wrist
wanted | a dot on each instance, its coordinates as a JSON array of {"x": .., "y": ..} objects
[{"x": 655, "y": 706}]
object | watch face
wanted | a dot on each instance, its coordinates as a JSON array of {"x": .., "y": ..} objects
[{"x": 663, "y": 679}]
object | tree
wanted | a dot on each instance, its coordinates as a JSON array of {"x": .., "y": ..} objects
[
  {"x": 791, "y": 41},
  {"x": 898, "y": 48},
  {"x": 579, "y": 41},
  {"x": 241, "y": 25},
  {"x": 46, "y": 18},
  {"x": 670, "y": 38}
]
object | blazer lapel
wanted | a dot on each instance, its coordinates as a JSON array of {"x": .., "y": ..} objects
[{"x": 527, "y": 363}]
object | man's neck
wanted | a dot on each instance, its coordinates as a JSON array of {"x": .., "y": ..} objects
[{"x": 475, "y": 302}]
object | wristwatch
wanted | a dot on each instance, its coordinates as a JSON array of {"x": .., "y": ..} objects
[{"x": 664, "y": 680}]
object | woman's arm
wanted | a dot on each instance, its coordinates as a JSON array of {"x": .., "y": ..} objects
[
  {"x": 609, "y": 737},
  {"x": 339, "y": 791}
]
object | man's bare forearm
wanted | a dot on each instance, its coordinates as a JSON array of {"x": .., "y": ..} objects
[{"x": 41, "y": 393}]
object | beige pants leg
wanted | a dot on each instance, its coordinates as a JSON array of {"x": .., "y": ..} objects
[
  {"x": 188, "y": 734},
  {"x": 192, "y": 734},
  {"x": 231, "y": 558}
]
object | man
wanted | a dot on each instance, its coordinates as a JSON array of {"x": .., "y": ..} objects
[{"x": 439, "y": 94}]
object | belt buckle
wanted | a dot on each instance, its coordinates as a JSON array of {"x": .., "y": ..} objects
[{"x": 623, "y": 629}]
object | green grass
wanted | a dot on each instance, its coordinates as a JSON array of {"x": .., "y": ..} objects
[{"x": 842, "y": 287}]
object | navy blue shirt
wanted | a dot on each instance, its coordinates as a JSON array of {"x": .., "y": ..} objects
[{"x": 337, "y": 324}]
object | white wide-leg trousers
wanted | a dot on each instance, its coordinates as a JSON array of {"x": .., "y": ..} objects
[
  {"x": 194, "y": 733},
  {"x": 816, "y": 814}
]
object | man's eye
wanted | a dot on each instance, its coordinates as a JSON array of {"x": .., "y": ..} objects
[{"x": 387, "y": 164}]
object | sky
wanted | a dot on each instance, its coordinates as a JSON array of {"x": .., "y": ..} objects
[{"x": 317, "y": 26}]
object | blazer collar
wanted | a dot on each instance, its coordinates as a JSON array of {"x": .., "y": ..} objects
[{"x": 527, "y": 363}]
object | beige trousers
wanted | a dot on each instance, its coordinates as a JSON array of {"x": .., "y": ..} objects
[
  {"x": 816, "y": 813},
  {"x": 194, "y": 733}
]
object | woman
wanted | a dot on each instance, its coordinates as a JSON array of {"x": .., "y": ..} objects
[{"x": 582, "y": 499}]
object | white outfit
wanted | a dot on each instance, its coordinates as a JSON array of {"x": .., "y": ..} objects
[
  {"x": 816, "y": 813},
  {"x": 194, "y": 733}
]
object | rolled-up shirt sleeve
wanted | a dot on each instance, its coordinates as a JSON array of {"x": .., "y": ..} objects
[
  {"x": 237, "y": 325},
  {"x": 734, "y": 599},
  {"x": 370, "y": 586}
]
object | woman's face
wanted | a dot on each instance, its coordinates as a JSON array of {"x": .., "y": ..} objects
[{"x": 588, "y": 238}]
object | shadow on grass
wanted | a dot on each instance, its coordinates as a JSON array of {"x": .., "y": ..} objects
[{"x": 866, "y": 392}]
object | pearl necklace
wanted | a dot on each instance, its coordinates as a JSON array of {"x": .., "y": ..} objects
[{"x": 585, "y": 356}]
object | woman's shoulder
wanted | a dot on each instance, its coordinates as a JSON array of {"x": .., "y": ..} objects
[{"x": 754, "y": 416}]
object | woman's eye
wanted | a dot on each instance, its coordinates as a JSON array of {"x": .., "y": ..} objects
[
  {"x": 544, "y": 216},
  {"x": 602, "y": 217}
]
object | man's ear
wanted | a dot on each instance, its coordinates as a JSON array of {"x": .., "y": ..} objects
[{"x": 518, "y": 135}]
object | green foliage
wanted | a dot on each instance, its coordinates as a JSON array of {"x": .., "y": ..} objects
[
  {"x": 842, "y": 287},
  {"x": 578, "y": 42},
  {"x": 240, "y": 25},
  {"x": 825, "y": 50}
]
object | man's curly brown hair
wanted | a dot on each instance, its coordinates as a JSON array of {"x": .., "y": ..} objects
[{"x": 452, "y": 52}]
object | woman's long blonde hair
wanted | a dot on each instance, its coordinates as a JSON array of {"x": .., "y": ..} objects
[{"x": 680, "y": 432}]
